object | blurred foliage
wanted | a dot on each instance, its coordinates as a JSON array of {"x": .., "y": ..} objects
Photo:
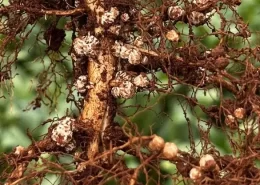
[{"x": 161, "y": 114}]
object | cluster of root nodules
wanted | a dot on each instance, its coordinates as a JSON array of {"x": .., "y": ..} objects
[{"x": 148, "y": 37}]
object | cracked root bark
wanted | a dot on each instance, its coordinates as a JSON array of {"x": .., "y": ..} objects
[{"x": 99, "y": 99}]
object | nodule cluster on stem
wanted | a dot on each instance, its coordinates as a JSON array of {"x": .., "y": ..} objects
[
  {"x": 126, "y": 84},
  {"x": 62, "y": 133},
  {"x": 132, "y": 54},
  {"x": 86, "y": 45}
]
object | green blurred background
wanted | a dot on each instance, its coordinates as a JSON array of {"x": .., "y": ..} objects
[{"x": 163, "y": 115}]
